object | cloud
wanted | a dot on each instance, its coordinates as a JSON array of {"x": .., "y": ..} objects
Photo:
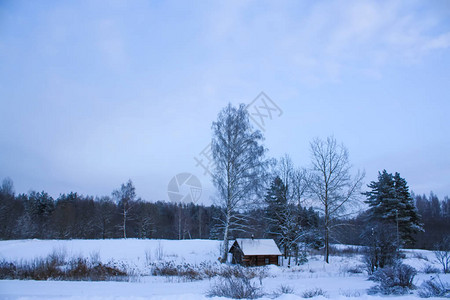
[
  {"x": 322, "y": 41},
  {"x": 440, "y": 42}
]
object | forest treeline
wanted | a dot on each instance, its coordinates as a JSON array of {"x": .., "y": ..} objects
[
  {"x": 74, "y": 216},
  {"x": 434, "y": 214}
]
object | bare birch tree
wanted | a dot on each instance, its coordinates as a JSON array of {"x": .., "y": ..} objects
[
  {"x": 294, "y": 179},
  {"x": 240, "y": 166},
  {"x": 286, "y": 172},
  {"x": 331, "y": 183},
  {"x": 125, "y": 198}
]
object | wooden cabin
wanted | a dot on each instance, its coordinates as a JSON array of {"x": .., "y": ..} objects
[{"x": 255, "y": 252}]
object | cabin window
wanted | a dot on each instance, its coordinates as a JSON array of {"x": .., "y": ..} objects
[{"x": 266, "y": 260}]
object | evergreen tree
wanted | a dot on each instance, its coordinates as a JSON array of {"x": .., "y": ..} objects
[
  {"x": 276, "y": 204},
  {"x": 39, "y": 208},
  {"x": 407, "y": 215},
  {"x": 390, "y": 202},
  {"x": 288, "y": 223},
  {"x": 282, "y": 217}
]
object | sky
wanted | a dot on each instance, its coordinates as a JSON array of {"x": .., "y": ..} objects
[{"x": 93, "y": 93}]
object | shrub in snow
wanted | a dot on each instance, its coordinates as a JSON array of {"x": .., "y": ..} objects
[
  {"x": 54, "y": 267},
  {"x": 237, "y": 282},
  {"x": 235, "y": 287},
  {"x": 382, "y": 249},
  {"x": 148, "y": 257},
  {"x": 210, "y": 269},
  {"x": 344, "y": 251},
  {"x": 58, "y": 256},
  {"x": 434, "y": 288},
  {"x": 397, "y": 280},
  {"x": 236, "y": 271},
  {"x": 94, "y": 257},
  {"x": 420, "y": 256},
  {"x": 313, "y": 293},
  {"x": 83, "y": 269},
  {"x": 244, "y": 272},
  {"x": 442, "y": 254},
  {"x": 354, "y": 269},
  {"x": 282, "y": 289},
  {"x": 429, "y": 269},
  {"x": 159, "y": 252},
  {"x": 191, "y": 274},
  {"x": 285, "y": 289},
  {"x": 169, "y": 268},
  {"x": 7, "y": 270}
]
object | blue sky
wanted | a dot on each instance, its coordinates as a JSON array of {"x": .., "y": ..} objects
[{"x": 93, "y": 93}]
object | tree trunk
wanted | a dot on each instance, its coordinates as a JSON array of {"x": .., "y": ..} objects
[
  {"x": 124, "y": 223},
  {"x": 199, "y": 222},
  {"x": 327, "y": 232},
  {"x": 327, "y": 246},
  {"x": 225, "y": 239},
  {"x": 179, "y": 222},
  {"x": 225, "y": 246}
]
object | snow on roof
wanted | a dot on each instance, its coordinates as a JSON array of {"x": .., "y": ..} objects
[{"x": 258, "y": 246}]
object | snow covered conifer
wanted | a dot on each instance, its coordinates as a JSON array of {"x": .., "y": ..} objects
[
  {"x": 276, "y": 204},
  {"x": 390, "y": 202}
]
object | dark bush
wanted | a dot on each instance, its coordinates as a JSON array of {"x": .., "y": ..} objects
[
  {"x": 209, "y": 270},
  {"x": 285, "y": 289},
  {"x": 236, "y": 288},
  {"x": 235, "y": 271},
  {"x": 167, "y": 268},
  {"x": 442, "y": 254},
  {"x": 382, "y": 248},
  {"x": 56, "y": 269},
  {"x": 187, "y": 271},
  {"x": 355, "y": 269},
  {"x": 429, "y": 269},
  {"x": 345, "y": 251},
  {"x": 314, "y": 293},
  {"x": 434, "y": 288},
  {"x": 39, "y": 269},
  {"x": 397, "y": 280},
  {"x": 190, "y": 272},
  {"x": 243, "y": 272},
  {"x": 78, "y": 269},
  {"x": 7, "y": 270},
  {"x": 103, "y": 272}
]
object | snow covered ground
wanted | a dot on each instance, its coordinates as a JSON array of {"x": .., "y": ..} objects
[{"x": 336, "y": 279}]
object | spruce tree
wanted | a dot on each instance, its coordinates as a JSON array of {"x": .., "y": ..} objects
[
  {"x": 408, "y": 216},
  {"x": 390, "y": 202},
  {"x": 276, "y": 204},
  {"x": 282, "y": 217}
]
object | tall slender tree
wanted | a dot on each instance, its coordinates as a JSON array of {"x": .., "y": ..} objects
[
  {"x": 240, "y": 166},
  {"x": 125, "y": 197},
  {"x": 331, "y": 183}
]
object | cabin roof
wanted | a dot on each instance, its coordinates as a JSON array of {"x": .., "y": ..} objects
[{"x": 258, "y": 246}]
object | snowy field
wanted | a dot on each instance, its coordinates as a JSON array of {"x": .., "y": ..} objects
[{"x": 336, "y": 279}]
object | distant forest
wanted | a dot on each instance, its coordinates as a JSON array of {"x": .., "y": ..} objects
[{"x": 74, "y": 216}]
